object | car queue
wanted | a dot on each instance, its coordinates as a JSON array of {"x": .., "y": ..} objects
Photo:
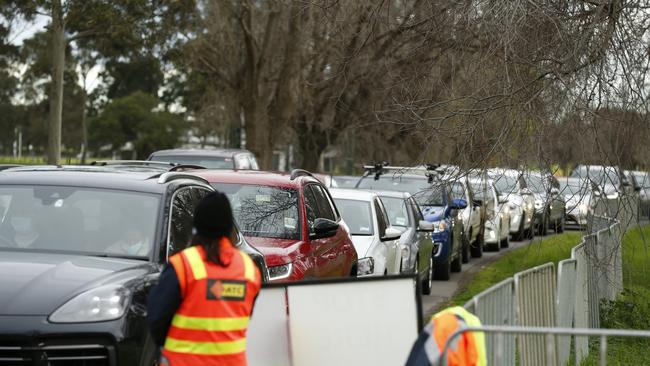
[{"x": 83, "y": 245}]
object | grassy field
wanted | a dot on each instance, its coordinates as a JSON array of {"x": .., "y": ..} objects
[
  {"x": 632, "y": 309},
  {"x": 33, "y": 160},
  {"x": 553, "y": 249}
]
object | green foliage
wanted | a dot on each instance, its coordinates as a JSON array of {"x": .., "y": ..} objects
[
  {"x": 553, "y": 249},
  {"x": 134, "y": 118}
]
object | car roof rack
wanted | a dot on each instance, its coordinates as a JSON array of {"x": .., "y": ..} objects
[
  {"x": 431, "y": 171},
  {"x": 299, "y": 173},
  {"x": 168, "y": 166},
  {"x": 170, "y": 176}
]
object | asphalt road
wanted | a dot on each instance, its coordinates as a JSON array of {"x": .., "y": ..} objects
[{"x": 443, "y": 290}]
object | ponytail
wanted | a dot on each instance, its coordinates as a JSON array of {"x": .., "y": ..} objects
[{"x": 212, "y": 247}]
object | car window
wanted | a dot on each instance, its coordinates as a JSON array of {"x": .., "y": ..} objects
[
  {"x": 184, "y": 203},
  {"x": 242, "y": 162},
  {"x": 417, "y": 212},
  {"x": 325, "y": 209},
  {"x": 357, "y": 216},
  {"x": 253, "y": 162},
  {"x": 457, "y": 190},
  {"x": 397, "y": 210},
  {"x": 382, "y": 219},
  {"x": 311, "y": 208},
  {"x": 210, "y": 162}
]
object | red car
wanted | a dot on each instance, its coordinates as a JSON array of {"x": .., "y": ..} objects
[{"x": 291, "y": 219}]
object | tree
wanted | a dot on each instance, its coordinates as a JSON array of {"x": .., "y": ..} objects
[{"x": 135, "y": 118}]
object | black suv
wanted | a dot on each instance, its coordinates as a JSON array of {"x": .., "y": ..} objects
[{"x": 80, "y": 248}]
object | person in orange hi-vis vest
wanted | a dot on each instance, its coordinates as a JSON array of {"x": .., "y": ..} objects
[
  {"x": 200, "y": 309},
  {"x": 467, "y": 349}
]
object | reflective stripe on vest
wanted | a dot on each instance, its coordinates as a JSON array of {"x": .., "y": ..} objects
[
  {"x": 210, "y": 324},
  {"x": 249, "y": 267},
  {"x": 205, "y": 348},
  {"x": 196, "y": 263}
]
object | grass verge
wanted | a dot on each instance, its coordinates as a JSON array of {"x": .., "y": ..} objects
[{"x": 553, "y": 249}]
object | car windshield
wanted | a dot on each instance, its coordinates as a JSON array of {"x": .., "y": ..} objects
[
  {"x": 425, "y": 193},
  {"x": 536, "y": 183},
  {"x": 397, "y": 211},
  {"x": 210, "y": 162},
  {"x": 505, "y": 184},
  {"x": 458, "y": 190},
  {"x": 77, "y": 219},
  {"x": 571, "y": 188},
  {"x": 264, "y": 211},
  {"x": 357, "y": 215},
  {"x": 599, "y": 175}
]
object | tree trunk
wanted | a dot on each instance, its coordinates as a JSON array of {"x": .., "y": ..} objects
[
  {"x": 84, "y": 127},
  {"x": 57, "y": 32}
]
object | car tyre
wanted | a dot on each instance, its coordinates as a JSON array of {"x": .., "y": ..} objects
[
  {"x": 522, "y": 232},
  {"x": 561, "y": 224},
  {"x": 428, "y": 281},
  {"x": 465, "y": 249},
  {"x": 542, "y": 228},
  {"x": 443, "y": 272},
  {"x": 457, "y": 264},
  {"x": 477, "y": 248},
  {"x": 505, "y": 243},
  {"x": 149, "y": 355}
]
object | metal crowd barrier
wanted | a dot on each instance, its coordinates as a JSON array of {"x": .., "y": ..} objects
[
  {"x": 548, "y": 335},
  {"x": 538, "y": 299}
]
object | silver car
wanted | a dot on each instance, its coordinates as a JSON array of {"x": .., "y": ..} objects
[
  {"x": 578, "y": 196},
  {"x": 416, "y": 245},
  {"x": 643, "y": 179},
  {"x": 512, "y": 186}
]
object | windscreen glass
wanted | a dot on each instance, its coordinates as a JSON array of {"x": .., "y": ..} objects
[
  {"x": 505, "y": 184},
  {"x": 81, "y": 220},
  {"x": 425, "y": 193},
  {"x": 264, "y": 211},
  {"x": 209, "y": 162},
  {"x": 357, "y": 215}
]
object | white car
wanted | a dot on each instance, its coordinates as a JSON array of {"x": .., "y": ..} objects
[
  {"x": 376, "y": 242},
  {"x": 512, "y": 187},
  {"x": 578, "y": 196},
  {"x": 497, "y": 224}
]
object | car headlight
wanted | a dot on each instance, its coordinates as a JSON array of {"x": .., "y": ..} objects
[
  {"x": 439, "y": 226},
  {"x": 104, "y": 303},
  {"x": 365, "y": 266},
  {"x": 280, "y": 272}
]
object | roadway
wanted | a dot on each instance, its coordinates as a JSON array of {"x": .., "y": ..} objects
[{"x": 444, "y": 290}]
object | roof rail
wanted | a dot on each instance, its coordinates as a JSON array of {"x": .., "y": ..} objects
[
  {"x": 133, "y": 163},
  {"x": 184, "y": 167},
  {"x": 298, "y": 173},
  {"x": 170, "y": 176}
]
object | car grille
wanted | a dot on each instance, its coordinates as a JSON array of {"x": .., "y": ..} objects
[{"x": 55, "y": 353}]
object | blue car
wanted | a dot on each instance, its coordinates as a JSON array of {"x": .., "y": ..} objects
[{"x": 433, "y": 196}]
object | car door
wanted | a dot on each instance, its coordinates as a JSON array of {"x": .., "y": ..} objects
[
  {"x": 329, "y": 252},
  {"x": 391, "y": 247}
]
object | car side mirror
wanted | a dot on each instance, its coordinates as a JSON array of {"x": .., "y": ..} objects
[
  {"x": 477, "y": 203},
  {"x": 425, "y": 226},
  {"x": 503, "y": 199},
  {"x": 637, "y": 189},
  {"x": 324, "y": 228},
  {"x": 458, "y": 204},
  {"x": 391, "y": 234},
  {"x": 554, "y": 190}
]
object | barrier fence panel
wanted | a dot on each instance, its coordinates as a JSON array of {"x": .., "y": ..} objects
[
  {"x": 593, "y": 279},
  {"x": 581, "y": 300},
  {"x": 548, "y": 334},
  {"x": 535, "y": 307},
  {"x": 565, "y": 303},
  {"x": 496, "y": 306}
]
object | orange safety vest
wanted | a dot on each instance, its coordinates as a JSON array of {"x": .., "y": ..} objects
[
  {"x": 209, "y": 327},
  {"x": 467, "y": 349}
]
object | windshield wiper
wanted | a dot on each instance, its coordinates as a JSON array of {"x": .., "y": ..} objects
[{"x": 124, "y": 256}]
